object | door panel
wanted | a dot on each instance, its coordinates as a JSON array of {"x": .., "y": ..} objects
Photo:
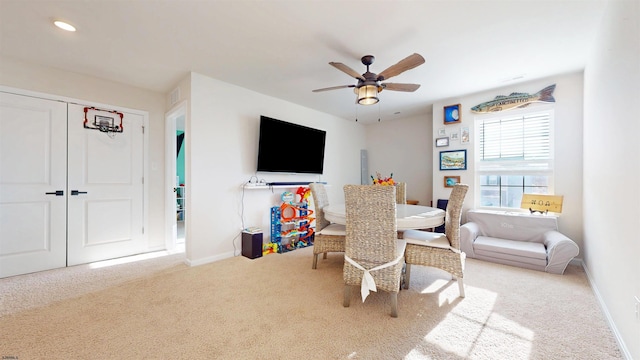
[
  {"x": 33, "y": 238},
  {"x": 33, "y": 145},
  {"x": 101, "y": 216},
  {"x": 106, "y": 217}
]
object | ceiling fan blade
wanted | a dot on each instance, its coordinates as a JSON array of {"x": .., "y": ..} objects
[
  {"x": 334, "y": 88},
  {"x": 403, "y": 65},
  {"x": 400, "y": 87},
  {"x": 347, "y": 70}
]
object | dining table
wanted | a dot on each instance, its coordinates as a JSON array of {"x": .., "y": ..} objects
[{"x": 407, "y": 216}]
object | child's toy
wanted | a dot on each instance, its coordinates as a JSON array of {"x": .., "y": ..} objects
[
  {"x": 287, "y": 197},
  {"x": 304, "y": 193},
  {"x": 269, "y": 248},
  {"x": 290, "y": 222}
]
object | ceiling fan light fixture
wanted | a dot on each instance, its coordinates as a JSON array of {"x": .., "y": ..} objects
[{"x": 367, "y": 94}]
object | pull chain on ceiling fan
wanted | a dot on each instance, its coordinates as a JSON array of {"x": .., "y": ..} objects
[{"x": 370, "y": 84}]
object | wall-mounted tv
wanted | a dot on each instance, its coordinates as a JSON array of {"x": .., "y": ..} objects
[{"x": 290, "y": 148}]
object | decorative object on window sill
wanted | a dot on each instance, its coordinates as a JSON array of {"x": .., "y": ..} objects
[
  {"x": 515, "y": 100},
  {"x": 441, "y": 142},
  {"x": 452, "y": 114},
  {"x": 383, "y": 181},
  {"x": 542, "y": 203},
  {"x": 451, "y": 181},
  {"x": 453, "y": 160}
]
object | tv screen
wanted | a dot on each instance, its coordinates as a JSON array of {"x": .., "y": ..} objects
[{"x": 290, "y": 148}]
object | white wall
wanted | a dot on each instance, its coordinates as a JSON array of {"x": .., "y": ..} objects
[
  {"x": 403, "y": 147},
  {"x": 568, "y": 144},
  {"x": 23, "y": 75},
  {"x": 221, "y": 144},
  {"x": 612, "y": 168}
]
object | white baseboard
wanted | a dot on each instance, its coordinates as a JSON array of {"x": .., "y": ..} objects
[
  {"x": 605, "y": 311},
  {"x": 209, "y": 259},
  {"x": 577, "y": 262}
]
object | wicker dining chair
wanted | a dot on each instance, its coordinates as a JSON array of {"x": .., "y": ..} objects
[
  {"x": 436, "y": 249},
  {"x": 401, "y": 193},
  {"x": 401, "y": 198},
  {"x": 328, "y": 237},
  {"x": 374, "y": 258}
]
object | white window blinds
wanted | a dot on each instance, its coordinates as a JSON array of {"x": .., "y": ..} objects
[{"x": 516, "y": 143}]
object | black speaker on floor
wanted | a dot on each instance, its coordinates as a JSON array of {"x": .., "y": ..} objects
[{"x": 251, "y": 245}]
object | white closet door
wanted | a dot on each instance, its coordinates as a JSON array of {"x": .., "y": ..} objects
[
  {"x": 105, "y": 217},
  {"x": 33, "y": 149}
]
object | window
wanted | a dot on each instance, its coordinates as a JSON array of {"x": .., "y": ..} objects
[{"x": 515, "y": 156}]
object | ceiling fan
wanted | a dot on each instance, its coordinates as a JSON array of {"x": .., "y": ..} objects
[{"x": 370, "y": 84}]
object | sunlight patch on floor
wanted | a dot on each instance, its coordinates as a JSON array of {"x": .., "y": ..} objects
[
  {"x": 129, "y": 259},
  {"x": 472, "y": 330},
  {"x": 503, "y": 338},
  {"x": 447, "y": 291},
  {"x": 435, "y": 286}
]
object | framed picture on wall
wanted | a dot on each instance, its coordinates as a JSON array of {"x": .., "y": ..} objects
[
  {"x": 464, "y": 135},
  {"x": 452, "y": 114},
  {"x": 443, "y": 141},
  {"x": 453, "y": 160},
  {"x": 450, "y": 181}
]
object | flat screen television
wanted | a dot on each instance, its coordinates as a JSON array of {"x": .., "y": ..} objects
[{"x": 290, "y": 148}]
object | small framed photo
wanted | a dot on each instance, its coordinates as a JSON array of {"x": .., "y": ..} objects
[
  {"x": 454, "y": 136},
  {"x": 453, "y": 160},
  {"x": 443, "y": 141},
  {"x": 442, "y": 132},
  {"x": 452, "y": 114},
  {"x": 450, "y": 181},
  {"x": 464, "y": 135}
]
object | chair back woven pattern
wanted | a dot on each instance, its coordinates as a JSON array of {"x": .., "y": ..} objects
[
  {"x": 454, "y": 214},
  {"x": 323, "y": 244},
  {"x": 371, "y": 237},
  {"x": 451, "y": 259},
  {"x": 320, "y": 200},
  {"x": 401, "y": 193}
]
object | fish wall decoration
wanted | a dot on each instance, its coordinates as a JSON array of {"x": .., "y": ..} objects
[{"x": 515, "y": 100}]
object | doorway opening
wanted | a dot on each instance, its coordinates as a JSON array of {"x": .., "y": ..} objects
[
  {"x": 180, "y": 181},
  {"x": 176, "y": 203}
]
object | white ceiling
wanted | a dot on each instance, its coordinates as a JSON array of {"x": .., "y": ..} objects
[{"x": 282, "y": 48}]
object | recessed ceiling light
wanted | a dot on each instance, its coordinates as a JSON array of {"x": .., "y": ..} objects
[{"x": 64, "y": 26}]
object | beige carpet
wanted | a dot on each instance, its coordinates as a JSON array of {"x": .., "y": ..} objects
[{"x": 277, "y": 307}]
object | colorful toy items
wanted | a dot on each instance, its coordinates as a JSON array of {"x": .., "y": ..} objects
[
  {"x": 269, "y": 248},
  {"x": 290, "y": 222},
  {"x": 304, "y": 193},
  {"x": 287, "y": 197}
]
